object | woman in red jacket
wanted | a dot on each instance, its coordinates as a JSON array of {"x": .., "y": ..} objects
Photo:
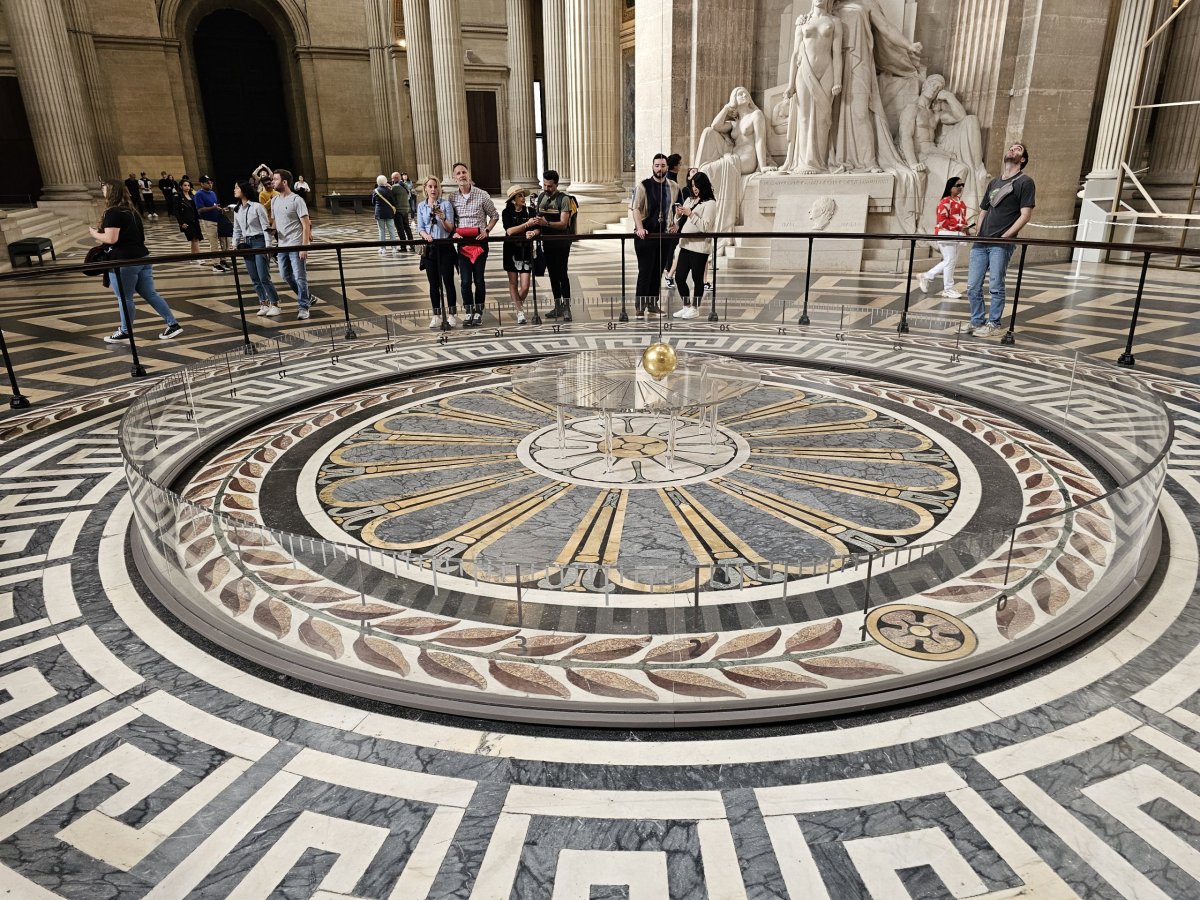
[{"x": 951, "y": 221}]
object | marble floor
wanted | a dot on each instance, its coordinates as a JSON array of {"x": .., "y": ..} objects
[{"x": 139, "y": 759}]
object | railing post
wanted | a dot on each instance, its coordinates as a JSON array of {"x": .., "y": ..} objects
[
  {"x": 902, "y": 328},
  {"x": 537, "y": 318},
  {"x": 712, "y": 314},
  {"x": 1009, "y": 337},
  {"x": 237, "y": 286},
  {"x": 1126, "y": 358},
  {"x": 624, "y": 317},
  {"x": 350, "y": 335},
  {"x": 136, "y": 369},
  {"x": 804, "y": 320},
  {"x": 19, "y": 400}
]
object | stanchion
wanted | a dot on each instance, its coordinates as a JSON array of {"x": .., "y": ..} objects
[
  {"x": 18, "y": 400},
  {"x": 1009, "y": 337},
  {"x": 350, "y": 335},
  {"x": 902, "y": 328},
  {"x": 624, "y": 317},
  {"x": 237, "y": 286},
  {"x": 712, "y": 314},
  {"x": 537, "y": 319},
  {"x": 804, "y": 320},
  {"x": 1126, "y": 358},
  {"x": 136, "y": 369}
]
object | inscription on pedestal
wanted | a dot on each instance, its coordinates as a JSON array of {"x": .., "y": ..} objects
[{"x": 877, "y": 187}]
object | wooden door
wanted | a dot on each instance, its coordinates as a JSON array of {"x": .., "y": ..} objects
[{"x": 483, "y": 136}]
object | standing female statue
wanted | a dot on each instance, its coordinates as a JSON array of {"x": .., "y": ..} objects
[
  {"x": 872, "y": 44},
  {"x": 816, "y": 68}
]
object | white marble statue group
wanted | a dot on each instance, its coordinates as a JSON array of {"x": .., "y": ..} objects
[{"x": 856, "y": 100}]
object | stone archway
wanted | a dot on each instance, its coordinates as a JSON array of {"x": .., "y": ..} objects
[{"x": 286, "y": 25}]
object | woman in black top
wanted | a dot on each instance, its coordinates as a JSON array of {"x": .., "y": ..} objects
[
  {"x": 121, "y": 229},
  {"x": 188, "y": 218},
  {"x": 518, "y": 253}
]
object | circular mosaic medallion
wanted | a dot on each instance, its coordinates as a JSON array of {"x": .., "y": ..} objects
[
  {"x": 921, "y": 632},
  {"x": 641, "y": 454}
]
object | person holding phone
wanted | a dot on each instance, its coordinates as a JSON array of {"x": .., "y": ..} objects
[
  {"x": 435, "y": 222},
  {"x": 554, "y": 210}
]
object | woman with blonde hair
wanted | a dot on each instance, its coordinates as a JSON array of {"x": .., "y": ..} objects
[
  {"x": 435, "y": 221},
  {"x": 121, "y": 229}
]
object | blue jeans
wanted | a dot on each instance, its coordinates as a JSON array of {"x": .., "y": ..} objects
[
  {"x": 291, "y": 267},
  {"x": 387, "y": 230},
  {"x": 139, "y": 280},
  {"x": 992, "y": 260},
  {"x": 259, "y": 270}
]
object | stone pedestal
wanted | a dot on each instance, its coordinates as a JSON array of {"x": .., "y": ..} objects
[{"x": 818, "y": 211}]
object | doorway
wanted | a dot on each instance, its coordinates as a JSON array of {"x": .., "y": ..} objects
[
  {"x": 483, "y": 138},
  {"x": 242, "y": 93},
  {"x": 18, "y": 159}
]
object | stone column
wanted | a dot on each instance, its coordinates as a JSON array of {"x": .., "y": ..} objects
[
  {"x": 96, "y": 112},
  {"x": 594, "y": 84},
  {"x": 449, "y": 82},
  {"x": 1124, "y": 69},
  {"x": 554, "y": 61},
  {"x": 383, "y": 88},
  {"x": 715, "y": 67},
  {"x": 420, "y": 88},
  {"x": 50, "y": 88},
  {"x": 521, "y": 161},
  {"x": 1177, "y": 131}
]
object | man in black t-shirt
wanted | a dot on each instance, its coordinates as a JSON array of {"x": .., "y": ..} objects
[
  {"x": 1006, "y": 206},
  {"x": 653, "y": 226}
]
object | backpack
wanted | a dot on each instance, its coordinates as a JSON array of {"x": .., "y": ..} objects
[{"x": 570, "y": 205}]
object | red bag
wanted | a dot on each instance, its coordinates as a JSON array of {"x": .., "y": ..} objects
[{"x": 472, "y": 250}]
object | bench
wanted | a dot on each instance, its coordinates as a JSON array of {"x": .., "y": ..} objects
[
  {"x": 28, "y": 248},
  {"x": 338, "y": 201}
]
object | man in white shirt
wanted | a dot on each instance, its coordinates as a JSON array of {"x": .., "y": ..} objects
[
  {"x": 473, "y": 209},
  {"x": 293, "y": 228}
]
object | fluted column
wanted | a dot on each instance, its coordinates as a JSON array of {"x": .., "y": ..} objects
[
  {"x": 94, "y": 115},
  {"x": 1177, "y": 131},
  {"x": 554, "y": 61},
  {"x": 1124, "y": 66},
  {"x": 449, "y": 82},
  {"x": 520, "y": 93},
  {"x": 420, "y": 89},
  {"x": 383, "y": 88},
  {"x": 594, "y": 85},
  {"x": 50, "y": 87}
]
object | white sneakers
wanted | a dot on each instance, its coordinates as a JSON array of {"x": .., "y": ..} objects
[
  {"x": 303, "y": 314},
  {"x": 451, "y": 321},
  {"x": 688, "y": 312},
  {"x": 270, "y": 311},
  {"x": 435, "y": 322},
  {"x": 520, "y": 317},
  {"x": 951, "y": 294},
  {"x": 923, "y": 284}
]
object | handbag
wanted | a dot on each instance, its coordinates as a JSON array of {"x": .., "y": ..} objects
[
  {"x": 425, "y": 262},
  {"x": 98, "y": 254},
  {"x": 539, "y": 260}
]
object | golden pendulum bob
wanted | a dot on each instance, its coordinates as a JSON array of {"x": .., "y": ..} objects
[{"x": 659, "y": 359}]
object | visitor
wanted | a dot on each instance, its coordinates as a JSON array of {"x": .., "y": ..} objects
[
  {"x": 146, "y": 186},
  {"x": 519, "y": 222},
  {"x": 384, "y": 202},
  {"x": 412, "y": 195},
  {"x": 293, "y": 228},
  {"x": 135, "y": 192},
  {"x": 187, "y": 217},
  {"x": 687, "y": 193},
  {"x": 435, "y": 222},
  {"x": 251, "y": 232},
  {"x": 653, "y": 221},
  {"x": 121, "y": 229},
  {"x": 475, "y": 216},
  {"x": 699, "y": 212},
  {"x": 1006, "y": 206},
  {"x": 170, "y": 192},
  {"x": 952, "y": 222},
  {"x": 302, "y": 190},
  {"x": 673, "y": 162},
  {"x": 403, "y": 192},
  {"x": 208, "y": 208},
  {"x": 555, "y": 212}
]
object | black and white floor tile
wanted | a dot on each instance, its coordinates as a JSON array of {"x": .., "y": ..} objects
[{"x": 139, "y": 760}]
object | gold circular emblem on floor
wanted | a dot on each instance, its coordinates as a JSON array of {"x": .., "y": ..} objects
[
  {"x": 921, "y": 632},
  {"x": 635, "y": 446}
]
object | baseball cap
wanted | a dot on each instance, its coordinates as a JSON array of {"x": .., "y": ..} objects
[{"x": 206, "y": 178}]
